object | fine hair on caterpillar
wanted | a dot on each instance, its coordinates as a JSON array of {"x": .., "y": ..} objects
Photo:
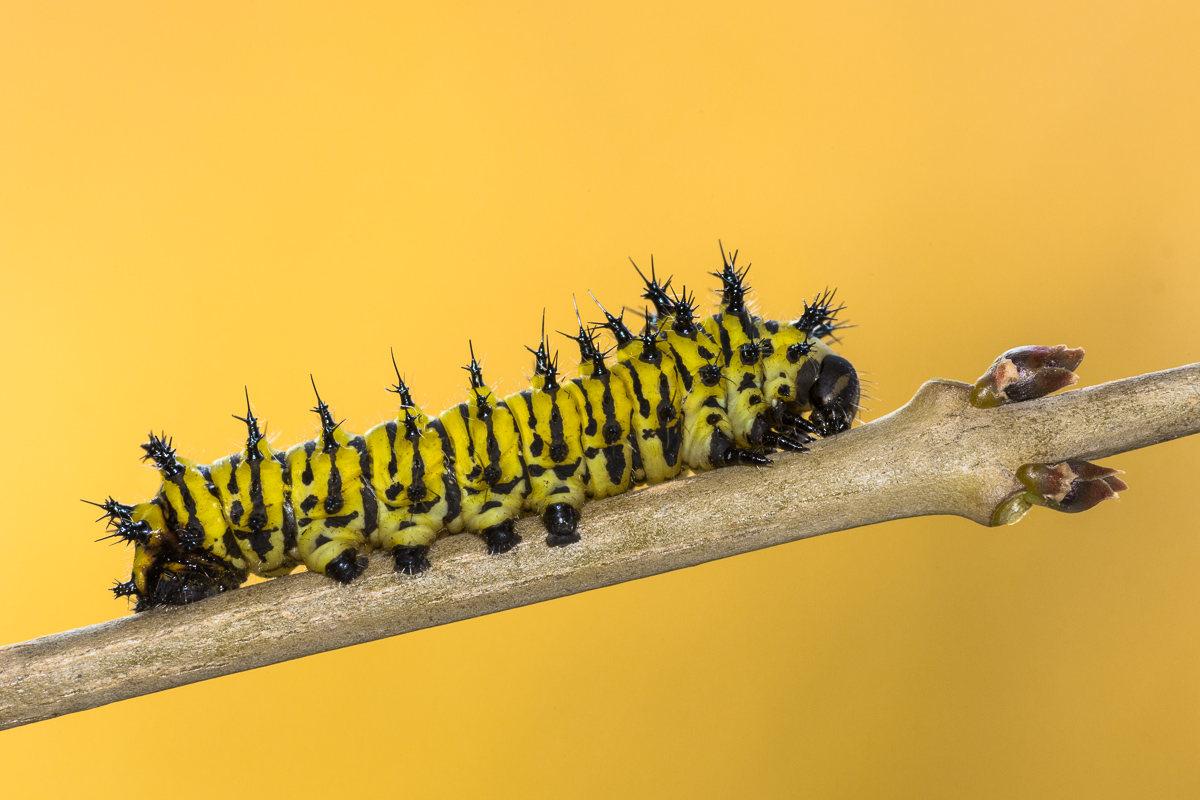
[{"x": 684, "y": 393}]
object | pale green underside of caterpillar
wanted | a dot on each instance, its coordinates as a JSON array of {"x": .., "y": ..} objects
[{"x": 685, "y": 394}]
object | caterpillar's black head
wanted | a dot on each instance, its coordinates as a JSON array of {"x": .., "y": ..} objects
[{"x": 834, "y": 396}]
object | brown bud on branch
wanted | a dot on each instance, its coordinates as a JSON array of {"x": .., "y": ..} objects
[{"x": 1026, "y": 373}]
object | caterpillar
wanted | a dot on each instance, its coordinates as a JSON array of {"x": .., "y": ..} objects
[{"x": 683, "y": 393}]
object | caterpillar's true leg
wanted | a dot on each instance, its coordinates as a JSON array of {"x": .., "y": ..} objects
[
  {"x": 749, "y": 457},
  {"x": 782, "y": 441}
]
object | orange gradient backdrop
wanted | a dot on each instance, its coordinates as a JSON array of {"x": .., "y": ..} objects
[{"x": 200, "y": 197}]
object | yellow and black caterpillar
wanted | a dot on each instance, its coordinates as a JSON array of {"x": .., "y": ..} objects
[{"x": 683, "y": 394}]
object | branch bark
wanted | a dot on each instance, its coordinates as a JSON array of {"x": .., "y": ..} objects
[{"x": 936, "y": 455}]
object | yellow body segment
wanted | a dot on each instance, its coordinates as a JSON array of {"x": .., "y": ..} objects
[
  {"x": 657, "y": 399},
  {"x": 706, "y": 428},
  {"x": 550, "y": 424},
  {"x": 146, "y": 555},
  {"x": 737, "y": 336},
  {"x": 251, "y": 488},
  {"x": 192, "y": 509},
  {"x": 417, "y": 493},
  {"x": 335, "y": 508},
  {"x": 487, "y": 461},
  {"x": 606, "y": 410}
]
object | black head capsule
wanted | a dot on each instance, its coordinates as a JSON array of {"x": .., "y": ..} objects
[
  {"x": 733, "y": 282},
  {"x": 656, "y": 293},
  {"x": 160, "y": 451},
  {"x": 253, "y": 434},
  {"x": 615, "y": 325},
  {"x": 328, "y": 426},
  {"x": 834, "y": 396}
]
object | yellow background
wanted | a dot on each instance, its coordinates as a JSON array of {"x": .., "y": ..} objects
[{"x": 197, "y": 198}]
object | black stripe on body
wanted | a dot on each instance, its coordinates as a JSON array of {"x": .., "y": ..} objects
[
  {"x": 685, "y": 375},
  {"x": 591, "y": 427},
  {"x": 309, "y": 449},
  {"x": 537, "y": 444},
  {"x": 564, "y": 471},
  {"x": 391, "y": 429},
  {"x": 232, "y": 486},
  {"x": 725, "y": 344},
  {"x": 452, "y": 492},
  {"x": 473, "y": 474},
  {"x": 370, "y": 509},
  {"x": 333, "y": 489},
  {"x": 191, "y": 533},
  {"x": 638, "y": 393},
  {"x": 557, "y": 440},
  {"x": 608, "y": 404},
  {"x": 614, "y": 463}
]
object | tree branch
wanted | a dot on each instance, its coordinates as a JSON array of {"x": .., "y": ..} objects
[{"x": 936, "y": 455}]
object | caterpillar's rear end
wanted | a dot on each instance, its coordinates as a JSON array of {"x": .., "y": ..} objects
[{"x": 686, "y": 394}]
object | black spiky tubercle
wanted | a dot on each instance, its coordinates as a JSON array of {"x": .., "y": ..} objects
[
  {"x": 545, "y": 368},
  {"x": 114, "y": 512},
  {"x": 254, "y": 434},
  {"x": 479, "y": 390},
  {"x": 820, "y": 317},
  {"x": 160, "y": 451},
  {"x": 130, "y": 532},
  {"x": 615, "y": 325},
  {"x": 684, "y": 322},
  {"x": 733, "y": 283},
  {"x": 328, "y": 426},
  {"x": 412, "y": 418},
  {"x": 656, "y": 292}
]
